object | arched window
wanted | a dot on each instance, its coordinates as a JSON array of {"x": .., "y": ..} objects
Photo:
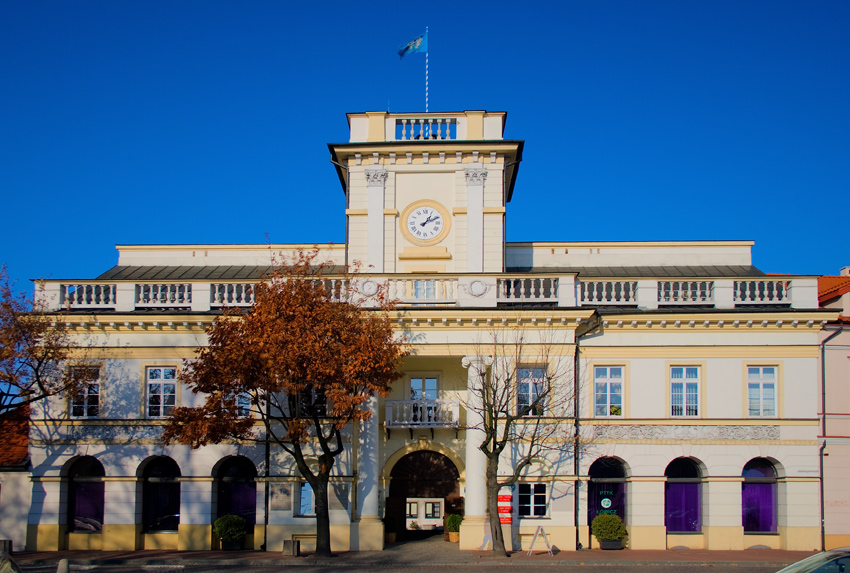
[
  {"x": 758, "y": 497},
  {"x": 161, "y": 495},
  {"x": 237, "y": 489},
  {"x": 607, "y": 489},
  {"x": 85, "y": 496},
  {"x": 683, "y": 497}
]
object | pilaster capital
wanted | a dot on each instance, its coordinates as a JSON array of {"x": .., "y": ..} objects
[
  {"x": 376, "y": 177},
  {"x": 475, "y": 175},
  {"x": 478, "y": 361}
]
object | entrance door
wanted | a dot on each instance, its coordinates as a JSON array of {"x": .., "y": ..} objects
[
  {"x": 607, "y": 491},
  {"x": 429, "y": 481}
]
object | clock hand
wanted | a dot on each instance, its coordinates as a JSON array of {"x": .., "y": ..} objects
[{"x": 428, "y": 220}]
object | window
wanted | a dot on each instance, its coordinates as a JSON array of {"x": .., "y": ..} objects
[
  {"x": 85, "y": 496},
  {"x": 86, "y": 404},
  {"x": 162, "y": 391},
  {"x": 761, "y": 391},
  {"x": 161, "y": 495},
  {"x": 423, "y": 388},
  {"x": 606, "y": 492},
  {"x": 432, "y": 510},
  {"x": 683, "y": 497},
  {"x": 532, "y": 500},
  {"x": 312, "y": 401},
  {"x": 237, "y": 489},
  {"x": 608, "y": 384},
  {"x": 758, "y": 497},
  {"x": 243, "y": 405},
  {"x": 684, "y": 391},
  {"x": 307, "y": 505},
  {"x": 531, "y": 386},
  {"x": 412, "y": 510}
]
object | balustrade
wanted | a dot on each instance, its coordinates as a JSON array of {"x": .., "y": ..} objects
[
  {"x": 87, "y": 295},
  {"x": 423, "y": 290},
  {"x": 608, "y": 292},
  {"x": 414, "y": 129},
  {"x": 232, "y": 294},
  {"x": 164, "y": 294},
  {"x": 763, "y": 292},
  {"x": 422, "y": 413},
  {"x": 528, "y": 289},
  {"x": 686, "y": 292}
]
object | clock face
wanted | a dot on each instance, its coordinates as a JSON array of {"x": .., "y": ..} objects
[{"x": 425, "y": 223}]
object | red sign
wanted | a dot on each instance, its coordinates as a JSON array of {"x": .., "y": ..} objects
[
  {"x": 505, "y": 497},
  {"x": 504, "y": 509},
  {"x": 505, "y": 519}
]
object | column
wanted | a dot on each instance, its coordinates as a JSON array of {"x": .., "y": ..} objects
[
  {"x": 376, "y": 178},
  {"x": 473, "y": 531},
  {"x": 476, "y": 175},
  {"x": 121, "y": 527},
  {"x": 370, "y": 530},
  {"x": 195, "y": 530}
]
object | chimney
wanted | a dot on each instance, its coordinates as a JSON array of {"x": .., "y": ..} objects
[{"x": 844, "y": 272}]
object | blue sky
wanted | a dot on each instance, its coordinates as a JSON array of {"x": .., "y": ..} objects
[{"x": 207, "y": 121}]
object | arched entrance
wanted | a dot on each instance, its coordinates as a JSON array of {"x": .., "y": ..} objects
[
  {"x": 423, "y": 490},
  {"x": 607, "y": 489}
]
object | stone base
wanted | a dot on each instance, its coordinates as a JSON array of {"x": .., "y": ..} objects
[{"x": 367, "y": 534}]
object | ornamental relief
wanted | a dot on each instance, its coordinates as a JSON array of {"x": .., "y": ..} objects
[
  {"x": 376, "y": 177},
  {"x": 475, "y": 176},
  {"x": 649, "y": 432}
]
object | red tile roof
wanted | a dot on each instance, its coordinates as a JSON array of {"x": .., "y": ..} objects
[
  {"x": 14, "y": 437},
  {"x": 832, "y": 287}
]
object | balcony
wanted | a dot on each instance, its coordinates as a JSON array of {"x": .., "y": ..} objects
[
  {"x": 447, "y": 291},
  {"x": 431, "y": 414}
]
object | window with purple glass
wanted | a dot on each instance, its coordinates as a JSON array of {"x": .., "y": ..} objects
[
  {"x": 683, "y": 497},
  {"x": 237, "y": 489},
  {"x": 85, "y": 496},
  {"x": 758, "y": 497}
]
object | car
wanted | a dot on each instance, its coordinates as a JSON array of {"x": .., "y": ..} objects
[{"x": 832, "y": 561}]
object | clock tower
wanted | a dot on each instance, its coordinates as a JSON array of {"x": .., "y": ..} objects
[{"x": 426, "y": 193}]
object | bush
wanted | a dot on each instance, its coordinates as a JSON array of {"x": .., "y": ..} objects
[
  {"x": 608, "y": 526},
  {"x": 230, "y": 528},
  {"x": 453, "y": 522}
]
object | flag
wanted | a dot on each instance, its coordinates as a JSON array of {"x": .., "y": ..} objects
[{"x": 418, "y": 44}]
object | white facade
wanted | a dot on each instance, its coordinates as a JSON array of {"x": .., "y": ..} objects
[{"x": 687, "y": 354}]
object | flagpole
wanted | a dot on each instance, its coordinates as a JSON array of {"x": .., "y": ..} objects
[{"x": 426, "y": 69}]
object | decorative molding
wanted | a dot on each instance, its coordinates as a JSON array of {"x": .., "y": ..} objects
[
  {"x": 657, "y": 432},
  {"x": 376, "y": 177},
  {"x": 477, "y": 288},
  {"x": 475, "y": 175}
]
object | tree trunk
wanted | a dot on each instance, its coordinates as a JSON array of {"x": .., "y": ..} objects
[
  {"x": 492, "y": 481},
  {"x": 323, "y": 520}
]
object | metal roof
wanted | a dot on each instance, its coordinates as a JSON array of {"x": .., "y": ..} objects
[{"x": 673, "y": 271}]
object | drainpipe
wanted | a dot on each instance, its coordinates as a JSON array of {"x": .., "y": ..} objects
[
  {"x": 577, "y": 426},
  {"x": 823, "y": 433}
]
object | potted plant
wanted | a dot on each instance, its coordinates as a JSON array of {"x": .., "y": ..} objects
[
  {"x": 608, "y": 528},
  {"x": 453, "y": 522},
  {"x": 231, "y": 530},
  {"x": 390, "y": 529}
]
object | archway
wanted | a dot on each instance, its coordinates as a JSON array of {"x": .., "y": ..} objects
[
  {"x": 423, "y": 489},
  {"x": 607, "y": 488}
]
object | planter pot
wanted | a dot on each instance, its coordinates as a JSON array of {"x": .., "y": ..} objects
[
  {"x": 611, "y": 543},
  {"x": 454, "y": 536},
  {"x": 232, "y": 545},
  {"x": 389, "y": 537}
]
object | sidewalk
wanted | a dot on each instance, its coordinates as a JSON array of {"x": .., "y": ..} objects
[{"x": 430, "y": 552}]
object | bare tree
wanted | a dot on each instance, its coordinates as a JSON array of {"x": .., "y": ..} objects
[{"x": 523, "y": 406}]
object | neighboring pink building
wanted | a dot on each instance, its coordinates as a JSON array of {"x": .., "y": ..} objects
[{"x": 834, "y": 293}]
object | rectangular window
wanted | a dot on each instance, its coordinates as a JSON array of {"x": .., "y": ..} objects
[
  {"x": 243, "y": 405},
  {"x": 162, "y": 390},
  {"x": 608, "y": 385},
  {"x": 531, "y": 385},
  {"x": 532, "y": 500},
  {"x": 307, "y": 505},
  {"x": 312, "y": 401},
  {"x": 412, "y": 510},
  {"x": 761, "y": 391},
  {"x": 87, "y": 403},
  {"x": 432, "y": 510},
  {"x": 423, "y": 388},
  {"x": 684, "y": 391}
]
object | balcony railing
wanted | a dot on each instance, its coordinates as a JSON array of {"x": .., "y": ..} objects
[
  {"x": 461, "y": 291},
  {"x": 413, "y": 129},
  {"x": 422, "y": 414}
]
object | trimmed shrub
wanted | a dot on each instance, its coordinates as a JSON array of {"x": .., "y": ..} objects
[
  {"x": 453, "y": 522},
  {"x": 608, "y": 526},
  {"x": 230, "y": 528}
]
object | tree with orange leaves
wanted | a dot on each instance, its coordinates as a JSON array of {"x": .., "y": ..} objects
[
  {"x": 38, "y": 357},
  {"x": 304, "y": 359}
]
